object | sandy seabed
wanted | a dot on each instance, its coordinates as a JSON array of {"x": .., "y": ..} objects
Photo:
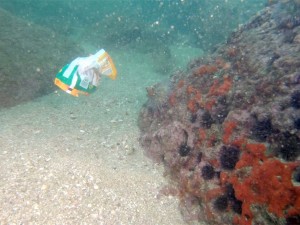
[{"x": 66, "y": 160}]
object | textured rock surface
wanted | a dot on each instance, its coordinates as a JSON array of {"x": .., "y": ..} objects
[
  {"x": 227, "y": 130},
  {"x": 30, "y": 58}
]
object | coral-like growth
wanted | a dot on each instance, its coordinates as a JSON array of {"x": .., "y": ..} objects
[
  {"x": 268, "y": 183},
  {"x": 206, "y": 69},
  {"x": 220, "y": 88},
  {"x": 229, "y": 126},
  {"x": 253, "y": 156}
]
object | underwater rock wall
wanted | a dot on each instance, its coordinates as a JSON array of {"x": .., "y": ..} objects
[
  {"x": 30, "y": 57},
  {"x": 227, "y": 130}
]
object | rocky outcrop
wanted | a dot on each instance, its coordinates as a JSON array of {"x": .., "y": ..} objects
[
  {"x": 30, "y": 58},
  {"x": 227, "y": 130}
]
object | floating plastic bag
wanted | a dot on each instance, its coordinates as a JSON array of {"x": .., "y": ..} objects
[{"x": 82, "y": 75}]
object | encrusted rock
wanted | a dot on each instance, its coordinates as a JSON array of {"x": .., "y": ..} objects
[{"x": 233, "y": 121}]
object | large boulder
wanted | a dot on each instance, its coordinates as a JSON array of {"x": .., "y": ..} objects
[
  {"x": 228, "y": 130},
  {"x": 30, "y": 57}
]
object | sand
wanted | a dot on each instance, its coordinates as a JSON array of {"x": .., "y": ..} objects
[{"x": 66, "y": 160}]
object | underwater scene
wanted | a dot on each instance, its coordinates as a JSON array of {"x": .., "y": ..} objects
[{"x": 150, "y": 112}]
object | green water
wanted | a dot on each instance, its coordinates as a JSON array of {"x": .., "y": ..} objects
[
  {"x": 144, "y": 25},
  {"x": 147, "y": 36}
]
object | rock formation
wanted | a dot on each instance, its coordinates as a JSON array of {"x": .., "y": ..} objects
[
  {"x": 30, "y": 58},
  {"x": 227, "y": 129}
]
